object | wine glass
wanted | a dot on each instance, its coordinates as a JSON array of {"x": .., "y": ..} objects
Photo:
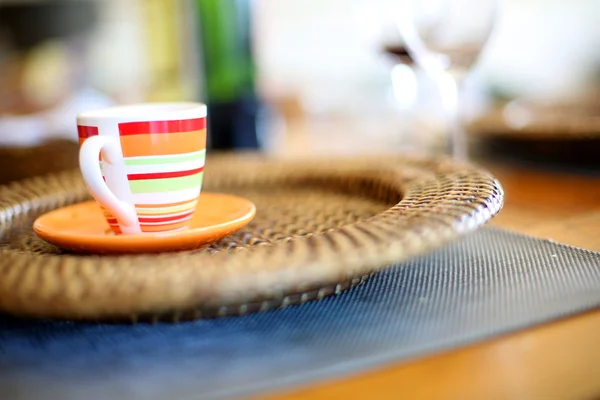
[{"x": 445, "y": 38}]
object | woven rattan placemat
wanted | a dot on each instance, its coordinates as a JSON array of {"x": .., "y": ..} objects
[
  {"x": 320, "y": 227},
  {"x": 489, "y": 283}
]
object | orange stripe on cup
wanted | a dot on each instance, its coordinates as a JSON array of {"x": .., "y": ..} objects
[
  {"x": 165, "y": 227},
  {"x": 85, "y": 132},
  {"x": 158, "y": 144}
]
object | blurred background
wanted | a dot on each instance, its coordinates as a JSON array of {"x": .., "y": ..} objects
[{"x": 296, "y": 77}]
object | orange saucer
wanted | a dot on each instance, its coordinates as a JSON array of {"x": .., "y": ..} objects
[{"x": 82, "y": 228}]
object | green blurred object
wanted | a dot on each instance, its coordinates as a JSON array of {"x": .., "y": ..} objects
[
  {"x": 235, "y": 113},
  {"x": 227, "y": 52}
]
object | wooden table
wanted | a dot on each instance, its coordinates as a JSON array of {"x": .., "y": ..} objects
[{"x": 558, "y": 360}]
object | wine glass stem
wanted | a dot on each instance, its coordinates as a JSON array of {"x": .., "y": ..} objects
[{"x": 449, "y": 86}]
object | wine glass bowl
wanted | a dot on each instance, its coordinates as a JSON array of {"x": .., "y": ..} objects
[
  {"x": 446, "y": 34},
  {"x": 445, "y": 38}
]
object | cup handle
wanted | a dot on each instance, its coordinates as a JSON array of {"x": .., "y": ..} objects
[{"x": 92, "y": 176}]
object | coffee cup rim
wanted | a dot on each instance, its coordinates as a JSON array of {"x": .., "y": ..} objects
[{"x": 147, "y": 111}]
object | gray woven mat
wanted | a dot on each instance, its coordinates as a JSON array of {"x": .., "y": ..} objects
[{"x": 487, "y": 284}]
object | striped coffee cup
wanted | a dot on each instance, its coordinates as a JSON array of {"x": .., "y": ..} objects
[{"x": 144, "y": 164}]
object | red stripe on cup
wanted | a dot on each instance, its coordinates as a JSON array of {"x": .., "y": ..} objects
[
  {"x": 166, "y": 219},
  {"x": 163, "y": 175},
  {"x": 85, "y": 132},
  {"x": 175, "y": 126}
]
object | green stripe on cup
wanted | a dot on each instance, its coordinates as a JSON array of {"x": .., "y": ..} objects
[
  {"x": 167, "y": 184},
  {"x": 165, "y": 159}
]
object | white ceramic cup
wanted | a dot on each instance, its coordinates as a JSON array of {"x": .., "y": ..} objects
[{"x": 144, "y": 163}]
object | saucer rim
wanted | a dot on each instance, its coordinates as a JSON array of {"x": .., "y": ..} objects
[{"x": 123, "y": 243}]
